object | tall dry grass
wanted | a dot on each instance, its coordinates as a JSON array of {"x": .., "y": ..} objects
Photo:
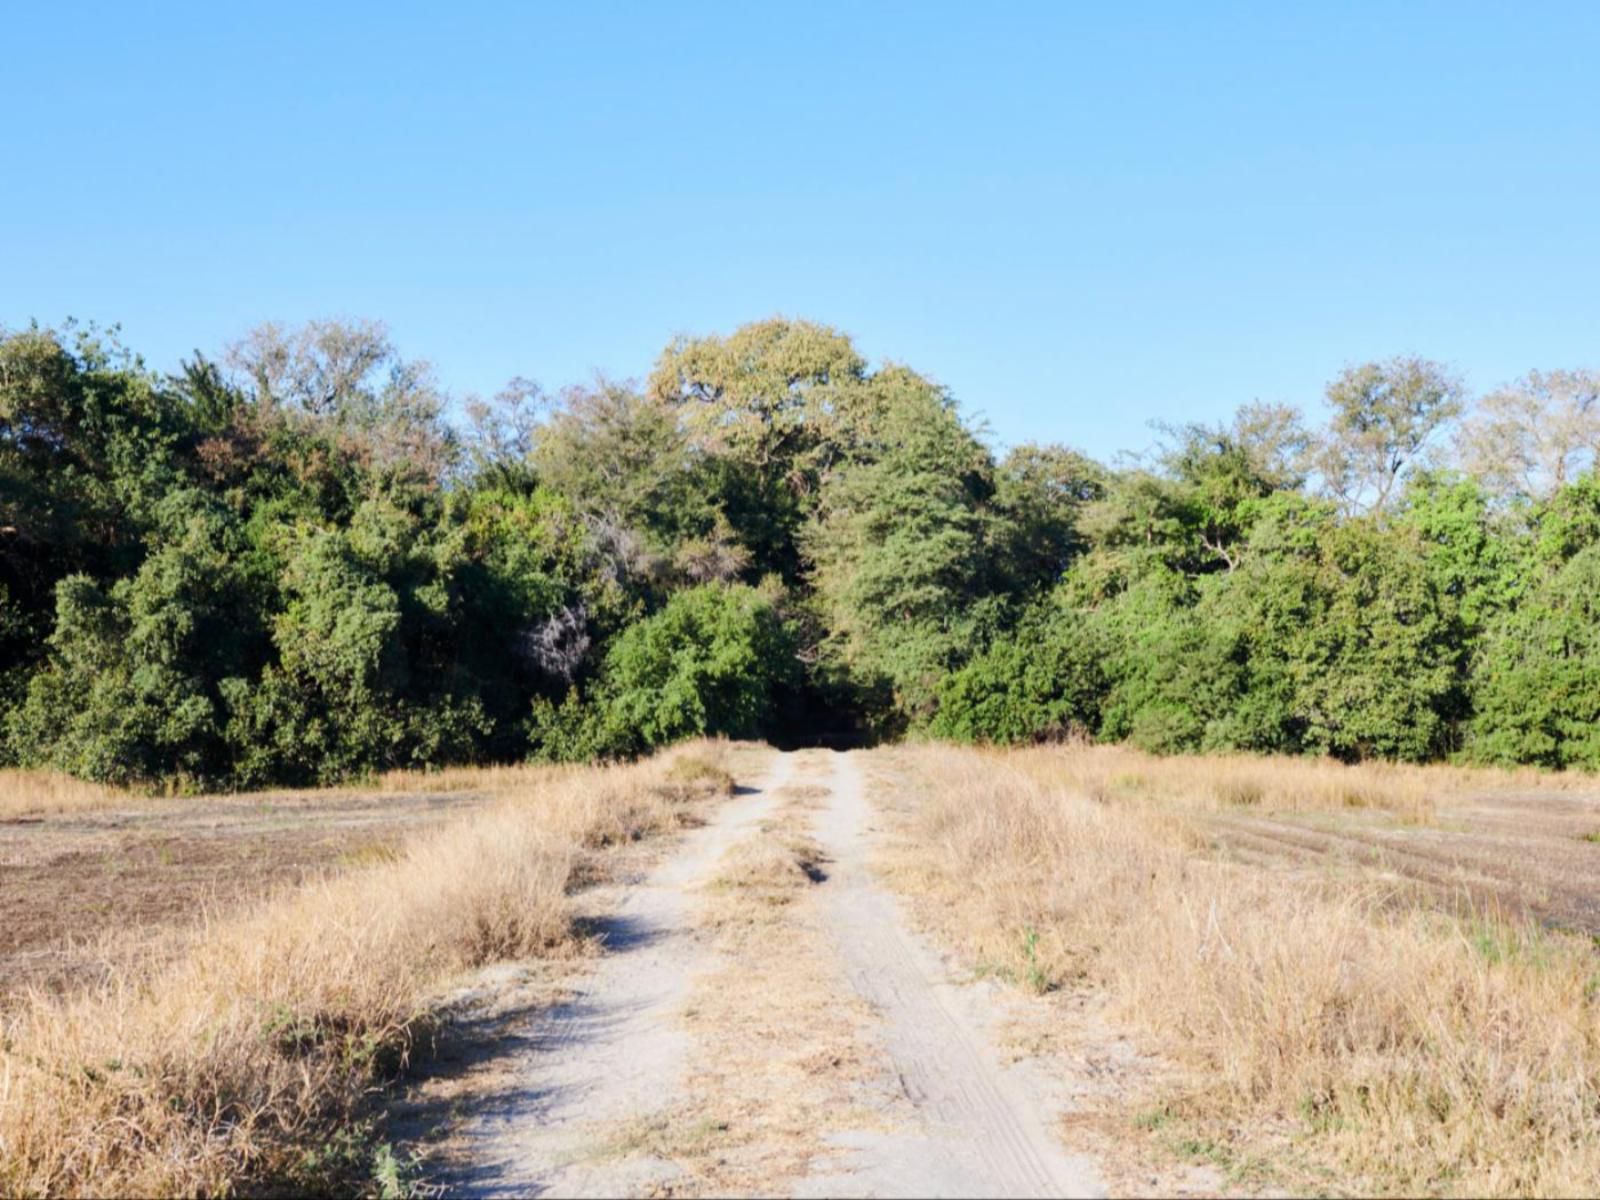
[
  {"x": 28, "y": 793},
  {"x": 1231, "y": 781},
  {"x": 498, "y": 777},
  {"x": 245, "y": 1064},
  {"x": 1415, "y": 1052}
]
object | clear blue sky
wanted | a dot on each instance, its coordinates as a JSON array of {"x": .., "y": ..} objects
[{"x": 1078, "y": 217}]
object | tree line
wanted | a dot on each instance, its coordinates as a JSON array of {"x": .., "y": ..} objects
[{"x": 293, "y": 563}]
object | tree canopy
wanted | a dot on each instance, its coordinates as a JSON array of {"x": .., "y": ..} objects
[{"x": 290, "y": 564}]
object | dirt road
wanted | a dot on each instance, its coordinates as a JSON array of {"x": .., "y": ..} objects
[{"x": 931, "y": 1111}]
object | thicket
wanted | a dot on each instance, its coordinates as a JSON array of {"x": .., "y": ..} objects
[{"x": 297, "y": 563}]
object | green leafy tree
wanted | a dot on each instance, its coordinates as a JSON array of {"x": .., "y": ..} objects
[
  {"x": 1035, "y": 516},
  {"x": 131, "y": 688},
  {"x": 715, "y": 660},
  {"x": 900, "y": 561},
  {"x": 1538, "y": 683},
  {"x": 1044, "y": 680},
  {"x": 773, "y": 409},
  {"x": 1536, "y": 677}
]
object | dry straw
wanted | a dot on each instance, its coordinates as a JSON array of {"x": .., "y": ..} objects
[{"x": 1412, "y": 1050}]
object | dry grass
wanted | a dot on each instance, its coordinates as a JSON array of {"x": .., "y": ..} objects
[
  {"x": 771, "y": 870},
  {"x": 245, "y": 1063},
  {"x": 26, "y": 793},
  {"x": 1243, "y": 781},
  {"x": 1342, "y": 1026},
  {"x": 494, "y": 778}
]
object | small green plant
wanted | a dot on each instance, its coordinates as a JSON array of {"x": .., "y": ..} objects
[
  {"x": 1503, "y": 942},
  {"x": 1034, "y": 973},
  {"x": 1320, "y": 1111},
  {"x": 991, "y": 970},
  {"x": 1237, "y": 1167},
  {"x": 1154, "y": 1119},
  {"x": 394, "y": 1177}
]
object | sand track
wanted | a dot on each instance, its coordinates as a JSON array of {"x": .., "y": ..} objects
[{"x": 955, "y": 1120}]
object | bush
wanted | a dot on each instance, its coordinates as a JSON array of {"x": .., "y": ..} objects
[
  {"x": 1044, "y": 681},
  {"x": 1537, "y": 685},
  {"x": 714, "y": 661}
]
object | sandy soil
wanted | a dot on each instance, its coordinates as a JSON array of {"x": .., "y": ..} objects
[
  {"x": 976, "y": 1125},
  {"x": 613, "y": 1053}
]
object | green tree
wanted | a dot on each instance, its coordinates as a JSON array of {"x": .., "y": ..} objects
[
  {"x": 1045, "y": 679},
  {"x": 1535, "y": 684},
  {"x": 899, "y": 558},
  {"x": 131, "y": 688},
  {"x": 715, "y": 660}
]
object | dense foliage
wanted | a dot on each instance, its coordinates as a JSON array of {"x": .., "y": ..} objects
[{"x": 289, "y": 566}]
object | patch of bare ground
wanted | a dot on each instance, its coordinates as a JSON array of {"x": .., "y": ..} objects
[
  {"x": 727, "y": 1084},
  {"x": 1264, "y": 962},
  {"x": 1517, "y": 855}
]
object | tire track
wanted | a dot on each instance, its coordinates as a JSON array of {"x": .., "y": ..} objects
[
  {"x": 977, "y": 1128},
  {"x": 614, "y": 1053}
]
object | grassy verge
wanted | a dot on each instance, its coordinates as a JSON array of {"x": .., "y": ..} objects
[
  {"x": 248, "y": 1062},
  {"x": 1342, "y": 1027}
]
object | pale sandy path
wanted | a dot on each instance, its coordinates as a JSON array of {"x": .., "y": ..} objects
[
  {"x": 955, "y": 1121},
  {"x": 615, "y": 1053},
  {"x": 972, "y": 1126}
]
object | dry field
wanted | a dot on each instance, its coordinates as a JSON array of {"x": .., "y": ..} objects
[
  {"x": 263, "y": 963},
  {"x": 1365, "y": 980},
  {"x": 81, "y": 889},
  {"x": 1513, "y": 843}
]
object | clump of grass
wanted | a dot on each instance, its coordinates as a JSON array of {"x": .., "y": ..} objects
[
  {"x": 698, "y": 772},
  {"x": 672, "y": 1135},
  {"x": 1434, "y": 1053},
  {"x": 246, "y": 1062},
  {"x": 370, "y": 854},
  {"x": 772, "y": 870}
]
